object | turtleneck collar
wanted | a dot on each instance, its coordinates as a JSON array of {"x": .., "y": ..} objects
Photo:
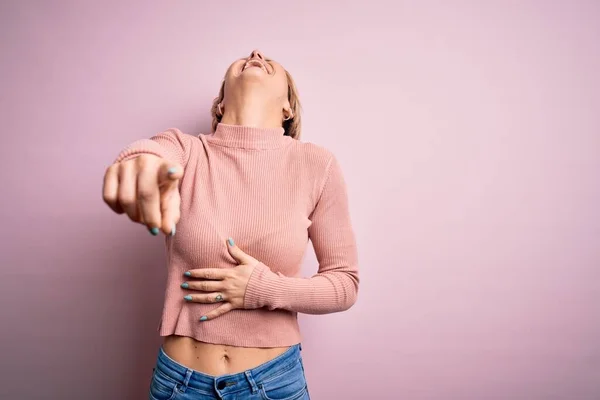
[{"x": 248, "y": 137}]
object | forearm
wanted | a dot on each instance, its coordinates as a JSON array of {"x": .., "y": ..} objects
[
  {"x": 334, "y": 288},
  {"x": 324, "y": 293}
]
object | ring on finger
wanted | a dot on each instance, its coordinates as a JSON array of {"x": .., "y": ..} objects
[{"x": 218, "y": 298}]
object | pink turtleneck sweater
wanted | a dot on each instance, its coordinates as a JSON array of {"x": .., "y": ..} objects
[{"x": 271, "y": 194}]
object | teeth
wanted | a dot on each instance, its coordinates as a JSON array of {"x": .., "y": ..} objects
[{"x": 253, "y": 63}]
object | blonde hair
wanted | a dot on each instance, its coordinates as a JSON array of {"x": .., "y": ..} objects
[{"x": 291, "y": 126}]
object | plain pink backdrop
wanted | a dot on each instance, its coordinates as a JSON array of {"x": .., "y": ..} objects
[{"x": 469, "y": 134}]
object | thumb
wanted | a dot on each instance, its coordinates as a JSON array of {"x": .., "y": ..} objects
[
  {"x": 169, "y": 174},
  {"x": 238, "y": 254}
]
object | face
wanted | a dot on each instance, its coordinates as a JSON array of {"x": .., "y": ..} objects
[{"x": 262, "y": 72}]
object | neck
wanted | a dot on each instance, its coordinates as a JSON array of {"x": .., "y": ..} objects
[
  {"x": 249, "y": 108},
  {"x": 248, "y": 137}
]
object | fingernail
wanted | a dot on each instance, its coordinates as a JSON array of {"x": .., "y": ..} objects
[
  {"x": 230, "y": 241},
  {"x": 172, "y": 170},
  {"x": 185, "y": 285},
  {"x": 173, "y": 230},
  {"x": 203, "y": 318},
  {"x": 187, "y": 273},
  {"x": 188, "y": 297},
  {"x": 154, "y": 231}
]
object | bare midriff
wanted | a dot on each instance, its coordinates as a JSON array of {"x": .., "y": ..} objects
[{"x": 216, "y": 359}]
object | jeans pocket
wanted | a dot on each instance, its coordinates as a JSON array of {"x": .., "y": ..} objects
[
  {"x": 290, "y": 385},
  {"x": 289, "y": 393},
  {"x": 161, "y": 387}
]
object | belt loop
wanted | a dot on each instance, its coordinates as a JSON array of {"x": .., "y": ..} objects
[
  {"x": 183, "y": 386},
  {"x": 188, "y": 375},
  {"x": 251, "y": 382}
]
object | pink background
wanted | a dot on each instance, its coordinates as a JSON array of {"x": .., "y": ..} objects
[{"x": 470, "y": 138}]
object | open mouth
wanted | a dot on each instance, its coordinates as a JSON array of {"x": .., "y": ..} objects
[{"x": 255, "y": 63}]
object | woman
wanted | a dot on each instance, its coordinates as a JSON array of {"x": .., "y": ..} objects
[{"x": 237, "y": 208}]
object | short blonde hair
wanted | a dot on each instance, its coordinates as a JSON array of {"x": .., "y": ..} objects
[{"x": 291, "y": 126}]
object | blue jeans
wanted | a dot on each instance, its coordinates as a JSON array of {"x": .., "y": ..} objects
[{"x": 279, "y": 379}]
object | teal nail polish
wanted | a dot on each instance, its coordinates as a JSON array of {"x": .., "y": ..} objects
[
  {"x": 185, "y": 285},
  {"x": 188, "y": 297},
  {"x": 230, "y": 241},
  {"x": 172, "y": 170},
  {"x": 203, "y": 318},
  {"x": 154, "y": 231},
  {"x": 187, "y": 273}
]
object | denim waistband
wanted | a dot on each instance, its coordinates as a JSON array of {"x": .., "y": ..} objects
[{"x": 226, "y": 384}]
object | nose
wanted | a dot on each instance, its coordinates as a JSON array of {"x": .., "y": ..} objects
[{"x": 257, "y": 54}]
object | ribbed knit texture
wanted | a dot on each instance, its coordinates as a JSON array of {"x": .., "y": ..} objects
[{"x": 271, "y": 194}]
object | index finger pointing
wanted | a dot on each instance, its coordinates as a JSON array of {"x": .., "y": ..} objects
[{"x": 216, "y": 274}]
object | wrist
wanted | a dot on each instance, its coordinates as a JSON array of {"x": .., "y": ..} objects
[{"x": 259, "y": 289}]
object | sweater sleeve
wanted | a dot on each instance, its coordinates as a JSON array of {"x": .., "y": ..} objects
[
  {"x": 172, "y": 145},
  {"x": 335, "y": 287}
]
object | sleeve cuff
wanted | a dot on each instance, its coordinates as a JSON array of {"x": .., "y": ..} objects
[
  {"x": 261, "y": 288},
  {"x": 144, "y": 146}
]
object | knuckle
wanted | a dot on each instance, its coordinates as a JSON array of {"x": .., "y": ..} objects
[
  {"x": 145, "y": 194},
  {"x": 147, "y": 160},
  {"x": 126, "y": 199},
  {"x": 142, "y": 160},
  {"x": 126, "y": 166},
  {"x": 111, "y": 169},
  {"x": 209, "y": 275},
  {"x": 109, "y": 199}
]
